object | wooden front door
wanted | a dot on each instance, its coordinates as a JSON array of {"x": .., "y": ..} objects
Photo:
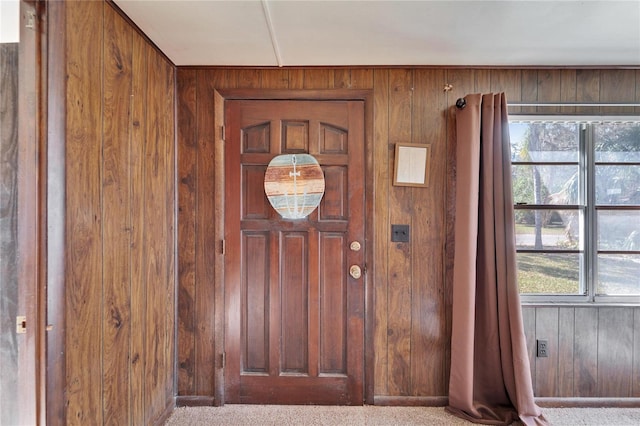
[{"x": 295, "y": 315}]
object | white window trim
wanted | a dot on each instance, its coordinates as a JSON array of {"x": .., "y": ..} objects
[{"x": 587, "y": 167}]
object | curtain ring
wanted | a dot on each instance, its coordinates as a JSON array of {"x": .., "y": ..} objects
[{"x": 461, "y": 103}]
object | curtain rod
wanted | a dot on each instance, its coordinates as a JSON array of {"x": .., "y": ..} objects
[
  {"x": 571, "y": 104},
  {"x": 462, "y": 102}
]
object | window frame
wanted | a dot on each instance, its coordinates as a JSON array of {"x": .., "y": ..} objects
[{"x": 587, "y": 167}]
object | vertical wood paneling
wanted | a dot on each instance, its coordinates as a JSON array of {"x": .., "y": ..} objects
[
  {"x": 29, "y": 224},
  {"x": 342, "y": 78},
  {"x": 617, "y": 86},
  {"x": 546, "y": 368},
  {"x": 585, "y": 366},
  {"x": 637, "y": 98},
  {"x": 399, "y": 256},
  {"x": 382, "y": 230},
  {"x": 296, "y": 79},
  {"x": 529, "y": 326},
  {"x": 549, "y": 90},
  {"x": 412, "y": 299},
  {"x": 509, "y": 82},
  {"x": 84, "y": 214},
  {"x": 568, "y": 90},
  {"x": 187, "y": 181},
  {"x": 275, "y": 79},
  {"x": 566, "y": 331},
  {"x": 587, "y": 90},
  {"x": 635, "y": 391},
  {"x": 249, "y": 79},
  {"x": 168, "y": 88},
  {"x": 138, "y": 230},
  {"x": 56, "y": 93},
  {"x": 362, "y": 78},
  {"x": 197, "y": 222},
  {"x": 596, "y": 353},
  {"x": 428, "y": 330},
  {"x": 155, "y": 240},
  {"x": 9, "y": 213},
  {"x": 120, "y": 221},
  {"x": 205, "y": 245},
  {"x": 483, "y": 81},
  {"x": 318, "y": 78},
  {"x": 615, "y": 351},
  {"x": 116, "y": 219},
  {"x": 529, "y": 88}
]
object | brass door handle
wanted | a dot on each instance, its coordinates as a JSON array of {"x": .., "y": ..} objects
[{"x": 355, "y": 272}]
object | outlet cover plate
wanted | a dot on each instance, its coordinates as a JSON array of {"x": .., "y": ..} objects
[{"x": 542, "y": 348}]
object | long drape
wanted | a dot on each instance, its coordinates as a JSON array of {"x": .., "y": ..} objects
[{"x": 490, "y": 379}]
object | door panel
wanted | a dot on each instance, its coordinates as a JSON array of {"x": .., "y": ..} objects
[
  {"x": 256, "y": 300},
  {"x": 333, "y": 312},
  {"x": 295, "y": 331}
]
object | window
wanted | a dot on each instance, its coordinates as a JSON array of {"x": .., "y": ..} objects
[{"x": 576, "y": 190}]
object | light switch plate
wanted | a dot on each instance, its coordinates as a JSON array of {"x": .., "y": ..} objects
[{"x": 400, "y": 233}]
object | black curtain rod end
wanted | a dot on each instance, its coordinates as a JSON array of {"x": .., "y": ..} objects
[{"x": 461, "y": 103}]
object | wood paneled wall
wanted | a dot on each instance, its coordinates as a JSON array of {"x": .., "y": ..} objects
[
  {"x": 593, "y": 352},
  {"x": 8, "y": 231},
  {"x": 120, "y": 221},
  {"x": 20, "y": 98},
  {"x": 412, "y": 287}
]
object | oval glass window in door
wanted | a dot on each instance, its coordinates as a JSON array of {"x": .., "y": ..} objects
[{"x": 294, "y": 184}]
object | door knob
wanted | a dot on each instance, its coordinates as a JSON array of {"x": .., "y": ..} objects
[{"x": 355, "y": 271}]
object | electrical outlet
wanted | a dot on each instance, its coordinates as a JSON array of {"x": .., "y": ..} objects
[{"x": 542, "y": 348}]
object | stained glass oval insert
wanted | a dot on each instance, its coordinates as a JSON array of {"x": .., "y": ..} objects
[{"x": 294, "y": 184}]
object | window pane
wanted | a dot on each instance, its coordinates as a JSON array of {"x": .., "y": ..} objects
[
  {"x": 618, "y": 185},
  {"x": 618, "y": 230},
  {"x": 549, "y": 273},
  {"x": 618, "y": 274},
  {"x": 544, "y": 141},
  {"x": 545, "y": 184},
  {"x": 547, "y": 229},
  {"x": 617, "y": 142}
]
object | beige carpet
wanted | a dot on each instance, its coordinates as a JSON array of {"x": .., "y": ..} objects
[{"x": 258, "y": 415}]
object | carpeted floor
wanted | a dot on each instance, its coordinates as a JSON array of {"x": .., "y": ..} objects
[{"x": 289, "y": 415}]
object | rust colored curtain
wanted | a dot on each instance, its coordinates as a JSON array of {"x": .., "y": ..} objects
[{"x": 490, "y": 380}]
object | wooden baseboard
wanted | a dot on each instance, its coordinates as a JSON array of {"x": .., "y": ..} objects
[
  {"x": 164, "y": 416},
  {"x": 195, "y": 401},
  {"x": 411, "y": 401},
  {"x": 588, "y": 402},
  {"x": 441, "y": 401}
]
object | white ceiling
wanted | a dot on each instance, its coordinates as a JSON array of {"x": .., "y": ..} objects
[{"x": 391, "y": 32}]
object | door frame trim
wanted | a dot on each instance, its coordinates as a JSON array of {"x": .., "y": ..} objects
[
  {"x": 53, "y": 184},
  {"x": 222, "y": 95}
]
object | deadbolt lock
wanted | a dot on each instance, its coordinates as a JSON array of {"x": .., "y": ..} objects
[
  {"x": 355, "y": 246},
  {"x": 355, "y": 272}
]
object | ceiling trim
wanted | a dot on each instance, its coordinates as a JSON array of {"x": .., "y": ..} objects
[
  {"x": 408, "y": 66},
  {"x": 272, "y": 32}
]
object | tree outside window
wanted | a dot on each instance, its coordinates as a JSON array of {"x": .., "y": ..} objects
[{"x": 576, "y": 189}]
